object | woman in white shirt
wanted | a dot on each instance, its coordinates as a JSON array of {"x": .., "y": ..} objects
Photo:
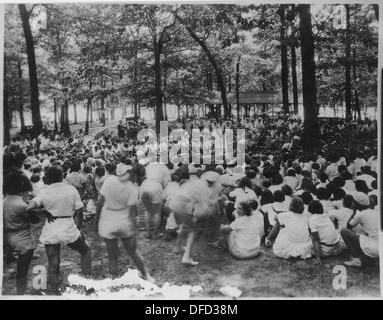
[
  {"x": 293, "y": 240},
  {"x": 243, "y": 240},
  {"x": 244, "y": 192},
  {"x": 326, "y": 239}
]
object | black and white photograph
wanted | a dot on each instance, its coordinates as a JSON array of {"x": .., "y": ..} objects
[{"x": 191, "y": 151}]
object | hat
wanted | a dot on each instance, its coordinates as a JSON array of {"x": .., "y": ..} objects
[
  {"x": 362, "y": 199},
  {"x": 210, "y": 176}
]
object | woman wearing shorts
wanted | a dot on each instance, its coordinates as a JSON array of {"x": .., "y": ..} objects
[
  {"x": 60, "y": 201},
  {"x": 116, "y": 218}
]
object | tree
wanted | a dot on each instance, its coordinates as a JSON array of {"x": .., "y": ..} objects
[
  {"x": 34, "y": 87},
  {"x": 311, "y": 130},
  {"x": 284, "y": 60},
  {"x": 6, "y": 118}
]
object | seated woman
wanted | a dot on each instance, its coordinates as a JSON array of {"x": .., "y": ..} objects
[
  {"x": 242, "y": 238},
  {"x": 326, "y": 239},
  {"x": 364, "y": 248},
  {"x": 291, "y": 233}
]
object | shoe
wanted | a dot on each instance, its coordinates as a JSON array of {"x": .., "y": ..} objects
[{"x": 355, "y": 263}]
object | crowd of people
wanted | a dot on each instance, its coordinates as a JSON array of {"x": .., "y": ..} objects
[{"x": 302, "y": 205}]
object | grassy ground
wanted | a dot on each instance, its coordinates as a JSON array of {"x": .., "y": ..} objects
[{"x": 264, "y": 276}]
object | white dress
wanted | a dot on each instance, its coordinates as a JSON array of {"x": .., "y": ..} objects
[
  {"x": 244, "y": 241},
  {"x": 293, "y": 240}
]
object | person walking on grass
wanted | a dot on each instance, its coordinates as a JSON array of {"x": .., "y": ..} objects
[
  {"x": 116, "y": 217},
  {"x": 60, "y": 202}
]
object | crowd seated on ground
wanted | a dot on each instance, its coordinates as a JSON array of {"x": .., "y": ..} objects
[{"x": 302, "y": 204}]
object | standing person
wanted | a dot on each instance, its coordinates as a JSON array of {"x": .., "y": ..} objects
[
  {"x": 365, "y": 247},
  {"x": 17, "y": 225},
  {"x": 189, "y": 205},
  {"x": 60, "y": 201},
  {"x": 78, "y": 180},
  {"x": 90, "y": 189},
  {"x": 121, "y": 130},
  {"x": 116, "y": 217},
  {"x": 152, "y": 195}
]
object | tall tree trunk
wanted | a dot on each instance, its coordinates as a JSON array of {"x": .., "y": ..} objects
[
  {"x": 294, "y": 68},
  {"x": 6, "y": 123},
  {"x": 348, "y": 64},
  {"x": 158, "y": 88},
  {"x": 62, "y": 116},
  {"x": 357, "y": 105},
  {"x": 311, "y": 129},
  {"x": 55, "y": 114},
  {"x": 88, "y": 110},
  {"x": 66, "y": 128},
  {"x": 237, "y": 86},
  {"x": 217, "y": 69},
  {"x": 284, "y": 62},
  {"x": 35, "y": 103},
  {"x": 20, "y": 106},
  {"x": 103, "y": 85},
  {"x": 91, "y": 113},
  {"x": 75, "y": 113}
]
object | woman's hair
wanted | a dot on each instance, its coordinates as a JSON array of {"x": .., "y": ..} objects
[
  {"x": 246, "y": 208},
  {"x": 75, "y": 167},
  {"x": 278, "y": 196},
  {"x": 100, "y": 171},
  {"x": 373, "y": 201},
  {"x": 361, "y": 185},
  {"x": 315, "y": 207},
  {"x": 290, "y": 172},
  {"x": 35, "y": 177},
  {"x": 16, "y": 183},
  {"x": 254, "y": 205},
  {"x": 287, "y": 190},
  {"x": 339, "y": 181},
  {"x": 266, "y": 183},
  {"x": 266, "y": 197},
  {"x": 338, "y": 194},
  {"x": 308, "y": 185},
  {"x": 306, "y": 197},
  {"x": 323, "y": 177},
  {"x": 323, "y": 194},
  {"x": 137, "y": 174},
  {"x": 348, "y": 201},
  {"x": 257, "y": 190},
  {"x": 251, "y": 174},
  {"x": 87, "y": 169},
  {"x": 297, "y": 205},
  {"x": 245, "y": 182},
  {"x": 54, "y": 174},
  {"x": 277, "y": 179},
  {"x": 110, "y": 167}
]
